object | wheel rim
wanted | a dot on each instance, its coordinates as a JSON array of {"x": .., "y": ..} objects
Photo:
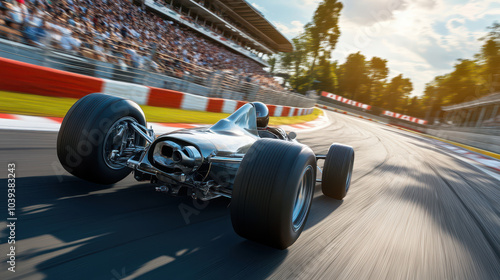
[
  {"x": 349, "y": 175},
  {"x": 303, "y": 198},
  {"x": 118, "y": 138}
]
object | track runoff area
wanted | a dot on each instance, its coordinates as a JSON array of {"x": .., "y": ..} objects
[{"x": 414, "y": 210}]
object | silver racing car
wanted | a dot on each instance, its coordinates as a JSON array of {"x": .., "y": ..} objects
[{"x": 268, "y": 175}]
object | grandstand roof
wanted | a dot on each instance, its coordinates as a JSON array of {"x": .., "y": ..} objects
[
  {"x": 253, "y": 19},
  {"x": 238, "y": 21}
]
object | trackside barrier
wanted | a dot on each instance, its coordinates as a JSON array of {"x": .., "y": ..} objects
[
  {"x": 23, "y": 77},
  {"x": 476, "y": 143}
]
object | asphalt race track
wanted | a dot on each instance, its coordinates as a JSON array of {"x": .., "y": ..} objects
[{"x": 412, "y": 212}]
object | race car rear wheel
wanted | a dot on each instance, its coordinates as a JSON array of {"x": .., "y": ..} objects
[
  {"x": 273, "y": 192},
  {"x": 337, "y": 171},
  {"x": 94, "y": 136}
]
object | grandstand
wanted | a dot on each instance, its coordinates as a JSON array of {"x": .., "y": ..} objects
[
  {"x": 206, "y": 47},
  {"x": 179, "y": 36},
  {"x": 235, "y": 24}
]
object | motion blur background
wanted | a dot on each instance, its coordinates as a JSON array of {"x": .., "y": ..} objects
[
  {"x": 418, "y": 208},
  {"x": 229, "y": 49}
]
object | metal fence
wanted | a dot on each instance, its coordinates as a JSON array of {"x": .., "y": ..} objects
[{"x": 158, "y": 71}]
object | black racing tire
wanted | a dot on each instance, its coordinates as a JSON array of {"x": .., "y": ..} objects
[
  {"x": 81, "y": 138},
  {"x": 337, "y": 171},
  {"x": 266, "y": 189}
]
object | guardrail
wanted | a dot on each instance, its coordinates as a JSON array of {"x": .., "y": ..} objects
[
  {"x": 487, "y": 139},
  {"x": 171, "y": 74}
]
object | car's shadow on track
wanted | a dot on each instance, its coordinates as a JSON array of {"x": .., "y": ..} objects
[
  {"x": 322, "y": 206},
  {"x": 462, "y": 202},
  {"x": 67, "y": 226}
]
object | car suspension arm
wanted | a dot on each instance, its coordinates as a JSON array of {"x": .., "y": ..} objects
[
  {"x": 318, "y": 157},
  {"x": 147, "y": 134}
]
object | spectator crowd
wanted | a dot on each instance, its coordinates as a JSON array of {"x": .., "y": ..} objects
[{"x": 122, "y": 33}]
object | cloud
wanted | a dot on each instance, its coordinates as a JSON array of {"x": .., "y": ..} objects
[
  {"x": 421, "y": 39},
  {"x": 367, "y": 12},
  {"x": 259, "y": 8},
  {"x": 428, "y": 4},
  {"x": 474, "y": 9},
  {"x": 290, "y": 30}
]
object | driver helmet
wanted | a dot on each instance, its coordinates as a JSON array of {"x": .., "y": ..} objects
[{"x": 262, "y": 114}]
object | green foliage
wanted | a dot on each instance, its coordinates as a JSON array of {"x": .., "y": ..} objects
[
  {"x": 366, "y": 81},
  {"x": 323, "y": 32},
  {"x": 272, "y": 63},
  {"x": 325, "y": 75},
  {"x": 414, "y": 107},
  {"x": 363, "y": 80},
  {"x": 397, "y": 93},
  {"x": 313, "y": 47},
  {"x": 470, "y": 79},
  {"x": 301, "y": 82},
  {"x": 353, "y": 77},
  {"x": 490, "y": 58},
  {"x": 377, "y": 75}
]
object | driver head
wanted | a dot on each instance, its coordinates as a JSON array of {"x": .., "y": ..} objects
[{"x": 262, "y": 114}]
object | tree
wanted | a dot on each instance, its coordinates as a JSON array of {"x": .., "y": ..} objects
[
  {"x": 316, "y": 42},
  {"x": 397, "y": 92},
  {"x": 490, "y": 55},
  {"x": 272, "y": 64},
  {"x": 293, "y": 61},
  {"x": 433, "y": 98},
  {"x": 377, "y": 72},
  {"x": 323, "y": 32},
  {"x": 353, "y": 79},
  {"x": 470, "y": 78},
  {"x": 414, "y": 107},
  {"x": 325, "y": 75},
  {"x": 463, "y": 84},
  {"x": 296, "y": 59},
  {"x": 301, "y": 81}
]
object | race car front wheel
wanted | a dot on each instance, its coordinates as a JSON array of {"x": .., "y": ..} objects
[
  {"x": 273, "y": 192},
  {"x": 337, "y": 171},
  {"x": 95, "y": 138}
]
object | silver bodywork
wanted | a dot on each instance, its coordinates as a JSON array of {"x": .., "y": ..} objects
[{"x": 203, "y": 161}]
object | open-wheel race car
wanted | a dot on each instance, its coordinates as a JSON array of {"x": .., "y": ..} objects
[{"x": 268, "y": 175}]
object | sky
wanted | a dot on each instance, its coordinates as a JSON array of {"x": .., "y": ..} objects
[{"x": 420, "y": 39}]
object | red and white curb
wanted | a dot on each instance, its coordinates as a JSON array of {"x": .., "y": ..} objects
[
  {"x": 319, "y": 123},
  {"x": 21, "y": 122},
  {"x": 464, "y": 153},
  {"x": 34, "y": 123}
]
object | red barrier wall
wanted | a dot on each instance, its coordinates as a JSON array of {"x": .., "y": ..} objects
[{"x": 23, "y": 77}]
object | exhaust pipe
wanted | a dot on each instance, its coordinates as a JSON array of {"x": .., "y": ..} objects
[
  {"x": 188, "y": 156},
  {"x": 172, "y": 155}
]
